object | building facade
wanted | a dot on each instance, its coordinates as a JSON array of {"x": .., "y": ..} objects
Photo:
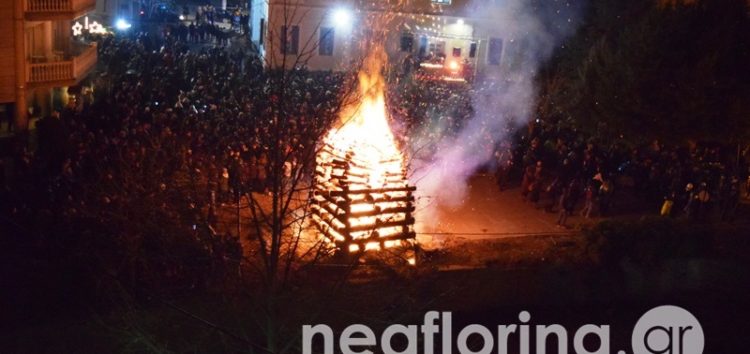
[
  {"x": 40, "y": 56},
  {"x": 109, "y": 11},
  {"x": 327, "y": 35}
]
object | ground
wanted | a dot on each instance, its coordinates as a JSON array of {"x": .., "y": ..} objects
[
  {"x": 488, "y": 213},
  {"x": 485, "y": 216}
]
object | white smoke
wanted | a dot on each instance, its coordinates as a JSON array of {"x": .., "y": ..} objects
[{"x": 530, "y": 31}]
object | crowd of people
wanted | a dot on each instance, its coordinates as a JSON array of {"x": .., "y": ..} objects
[
  {"x": 237, "y": 18},
  {"x": 561, "y": 172},
  {"x": 141, "y": 170},
  {"x": 165, "y": 116},
  {"x": 195, "y": 33},
  {"x": 208, "y": 25},
  {"x": 125, "y": 187},
  {"x": 182, "y": 115},
  {"x": 428, "y": 112},
  {"x": 567, "y": 172}
]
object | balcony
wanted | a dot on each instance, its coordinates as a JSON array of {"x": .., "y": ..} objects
[
  {"x": 49, "y": 10},
  {"x": 61, "y": 72}
]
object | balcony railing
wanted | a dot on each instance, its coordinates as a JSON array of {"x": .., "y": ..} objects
[
  {"x": 64, "y": 72},
  {"x": 57, "y": 9},
  {"x": 50, "y": 72}
]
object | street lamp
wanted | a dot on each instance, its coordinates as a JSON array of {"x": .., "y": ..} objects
[
  {"x": 122, "y": 25},
  {"x": 342, "y": 17}
]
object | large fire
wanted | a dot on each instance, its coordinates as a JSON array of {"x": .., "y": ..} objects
[{"x": 362, "y": 197}]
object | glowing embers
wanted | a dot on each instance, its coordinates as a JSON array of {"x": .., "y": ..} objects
[{"x": 358, "y": 211}]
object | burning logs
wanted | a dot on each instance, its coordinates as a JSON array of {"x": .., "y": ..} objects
[{"x": 350, "y": 211}]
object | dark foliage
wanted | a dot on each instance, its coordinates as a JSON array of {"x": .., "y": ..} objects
[{"x": 639, "y": 71}]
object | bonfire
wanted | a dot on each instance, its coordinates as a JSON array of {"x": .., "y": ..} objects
[{"x": 362, "y": 199}]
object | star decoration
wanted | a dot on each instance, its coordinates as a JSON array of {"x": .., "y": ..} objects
[
  {"x": 96, "y": 28},
  {"x": 77, "y": 29}
]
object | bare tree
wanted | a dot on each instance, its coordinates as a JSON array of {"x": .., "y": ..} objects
[{"x": 301, "y": 108}]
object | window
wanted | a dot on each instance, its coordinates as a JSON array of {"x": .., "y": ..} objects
[
  {"x": 289, "y": 39},
  {"x": 473, "y": 50},
  {"x": 456, "y": 52},
  {"x": 495, "y": 51},
  {"x": 262, "y": 33},
  {"x": 407, "y": 42},
  {"x": 422, "y": 46},
  {"x": 440, "y": 48},
  {"x": 325, "y": 45}
]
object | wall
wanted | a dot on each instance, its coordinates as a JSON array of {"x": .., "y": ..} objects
[
  {"x": 258, "y": 12},
  {"x": 310, "y": 20},
  {"x": 454, "y": 29},
  {"x": 7, "y": 48}
]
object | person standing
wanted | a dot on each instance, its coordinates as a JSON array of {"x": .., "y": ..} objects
[
  {"x": 703, "y": 197},
  {"x": 528, "y": 179},
  {"x": 666, "y": 207},
  {"x": 536, "y": 185},
  {"x": 223, "y": 185},
  {"x": 690, "y": 204},
  {"x": 732, "y": 200},
  {"x": 568, "y": 202},
  {"x": 235, "y": 175},
  {"x": 588, "y": 204},
  {"x": 262, "y": 172},
  {"x": 192, "y": 32},
  {"x": 553, "y": 192}
]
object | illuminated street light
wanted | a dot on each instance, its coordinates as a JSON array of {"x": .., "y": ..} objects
[
  {"x": 342, "y": 17},
  {"x": 122, "y": 25}
]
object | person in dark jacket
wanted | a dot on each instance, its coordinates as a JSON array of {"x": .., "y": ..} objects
[{"x": 568, "y": 202}]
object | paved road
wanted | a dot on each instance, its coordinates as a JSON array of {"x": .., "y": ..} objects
[{"x": 489, "y": 213}]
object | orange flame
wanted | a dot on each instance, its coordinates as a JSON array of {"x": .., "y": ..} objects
[
  {"x": 361, "y": 160},
  {"x": 364, "y": 129}
]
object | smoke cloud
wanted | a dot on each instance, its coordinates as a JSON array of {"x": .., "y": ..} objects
[{"x": 530, "y": 31}]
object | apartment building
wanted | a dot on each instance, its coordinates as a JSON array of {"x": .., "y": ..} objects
[
  {"x": 328, "y": 33},
  {"x": 41, "y": 55}
]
